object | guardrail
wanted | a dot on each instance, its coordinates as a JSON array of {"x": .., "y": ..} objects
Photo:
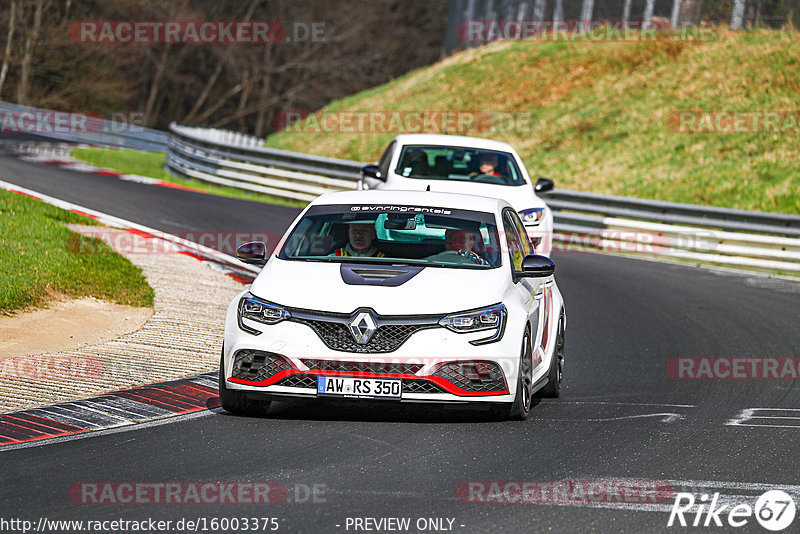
[
  {"x": 242, "y": 163},
  {"x": 80, "y": 128},
  {"x": 689, "y": 232}
]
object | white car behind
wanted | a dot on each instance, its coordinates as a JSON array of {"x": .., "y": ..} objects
[{"x": 451, "y": 163}]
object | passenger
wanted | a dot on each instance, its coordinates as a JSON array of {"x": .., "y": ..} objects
[
  {"x": 464, "y": 242},
  {"x": 361, "y": 236},
  {"x": 415, "y": 163}
]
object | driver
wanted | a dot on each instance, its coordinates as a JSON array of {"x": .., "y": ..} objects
[
  {"x": 488, "y": 164},
  {"x": 465, "y": 243},
  {"x": 361, "y": 237}
]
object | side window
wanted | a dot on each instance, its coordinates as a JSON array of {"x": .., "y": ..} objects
[
  {"x": 527, "y": 247},
  {"x": 383, "y": 163},
  {"x": 515, "y": 252}
]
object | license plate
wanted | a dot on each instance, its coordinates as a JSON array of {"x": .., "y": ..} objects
[{"x": 359, "y": 388}]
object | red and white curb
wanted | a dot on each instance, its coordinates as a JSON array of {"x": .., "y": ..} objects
[
  {"x": 58, "y": 155},
  {"x": 109, "y": 411}
]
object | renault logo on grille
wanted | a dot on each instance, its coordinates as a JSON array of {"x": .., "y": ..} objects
[{"x": 362, "y": 326}]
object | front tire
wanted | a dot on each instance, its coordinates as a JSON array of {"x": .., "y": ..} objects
[
  {"x": 518, "y": 410},
  {"x": 237, "y": 402},
  {"x": 556, "y": 373}
]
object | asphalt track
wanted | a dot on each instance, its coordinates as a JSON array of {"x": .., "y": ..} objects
[{"x": 621, "y": 416}]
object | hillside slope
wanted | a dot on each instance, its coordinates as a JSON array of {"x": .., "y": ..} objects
[{"x": 606, "y": 117}]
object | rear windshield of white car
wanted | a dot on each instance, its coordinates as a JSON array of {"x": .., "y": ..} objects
[
  {"x": 413, "y": 235},
  {"x": 459, "y": 164}
]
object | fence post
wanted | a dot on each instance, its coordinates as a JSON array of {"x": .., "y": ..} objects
[{"x": 738, "y": 15}]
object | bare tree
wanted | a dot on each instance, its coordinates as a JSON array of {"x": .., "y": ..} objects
[
  {"x": 558, "y": 11},
  {"x": 648, "y": 10},
  {"x": 538, "y": 9},
  {"x": 12, "y": 19},
  {"x": 240, "y": 85},
  {"x": 690, "y": 13},
  {"x": 31, "y": 38}
]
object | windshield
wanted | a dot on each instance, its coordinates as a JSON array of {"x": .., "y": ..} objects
[
  {"x": 459, "y": 164},
  {"x": 416, "y": 235}
]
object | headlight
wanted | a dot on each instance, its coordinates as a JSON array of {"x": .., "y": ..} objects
[
  {"x": 489, "y": 318},
  {"x": 531, "y": 216},
  {"x": 256, "y": 309}
]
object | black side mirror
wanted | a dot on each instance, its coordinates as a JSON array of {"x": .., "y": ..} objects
[
  {"x": 534, "y": 265},
  {"x": 543, "y": 185},
  {"x": 254, "y": 253},
  {"x": 372, "y": 171}
]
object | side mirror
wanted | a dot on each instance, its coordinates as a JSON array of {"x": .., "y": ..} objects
[
  {"x": 543, "y": 185},
  {"x": 372, "y": 171},
  {"x": 254, "y": 253},
  {"x": 534, "y": 265}
]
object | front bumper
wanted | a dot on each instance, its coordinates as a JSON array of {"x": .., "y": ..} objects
[{"x": 434, "y": 364}]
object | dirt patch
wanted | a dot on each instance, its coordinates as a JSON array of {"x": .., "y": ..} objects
[{"x": 67, "y": 324}]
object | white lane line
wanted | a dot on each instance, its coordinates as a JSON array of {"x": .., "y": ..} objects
[
  {"x": 668, "y": 417},
  {"x": 744, "y": 417},
  {"x": 111, "y": 220},
  {"x": 625, "y": 403}
]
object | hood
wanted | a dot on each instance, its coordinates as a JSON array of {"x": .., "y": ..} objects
[
  {"x": 520, "y": 197},
  {"x": 433, "y": 290}
]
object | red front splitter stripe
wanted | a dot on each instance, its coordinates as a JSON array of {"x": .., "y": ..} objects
[{"x": 439, "y": 381}]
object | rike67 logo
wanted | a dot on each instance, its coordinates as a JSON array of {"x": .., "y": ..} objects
[{"x": 774, "y": 510}]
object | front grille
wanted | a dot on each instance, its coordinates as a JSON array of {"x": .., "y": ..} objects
[
  {"x": 387, "y": 337},
  {"x": 255, "y": 365},
  {"x": 299, "y": 381},
  {"x": 393, "y": 368},
  {"x": 421, "y": 386},
  {"x": 479, "y": 377}
]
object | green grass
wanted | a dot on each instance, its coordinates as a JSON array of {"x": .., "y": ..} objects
[
  {"x": 152, "y": 164},
  {"x": 600, "y": 117},
  {"x": 40, "y": 258}
]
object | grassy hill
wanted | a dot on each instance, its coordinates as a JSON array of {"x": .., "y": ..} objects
[{"x": 604, "y": 117}]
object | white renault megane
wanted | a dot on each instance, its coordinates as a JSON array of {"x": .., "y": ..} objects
[{"x": 399, "y": 296}]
